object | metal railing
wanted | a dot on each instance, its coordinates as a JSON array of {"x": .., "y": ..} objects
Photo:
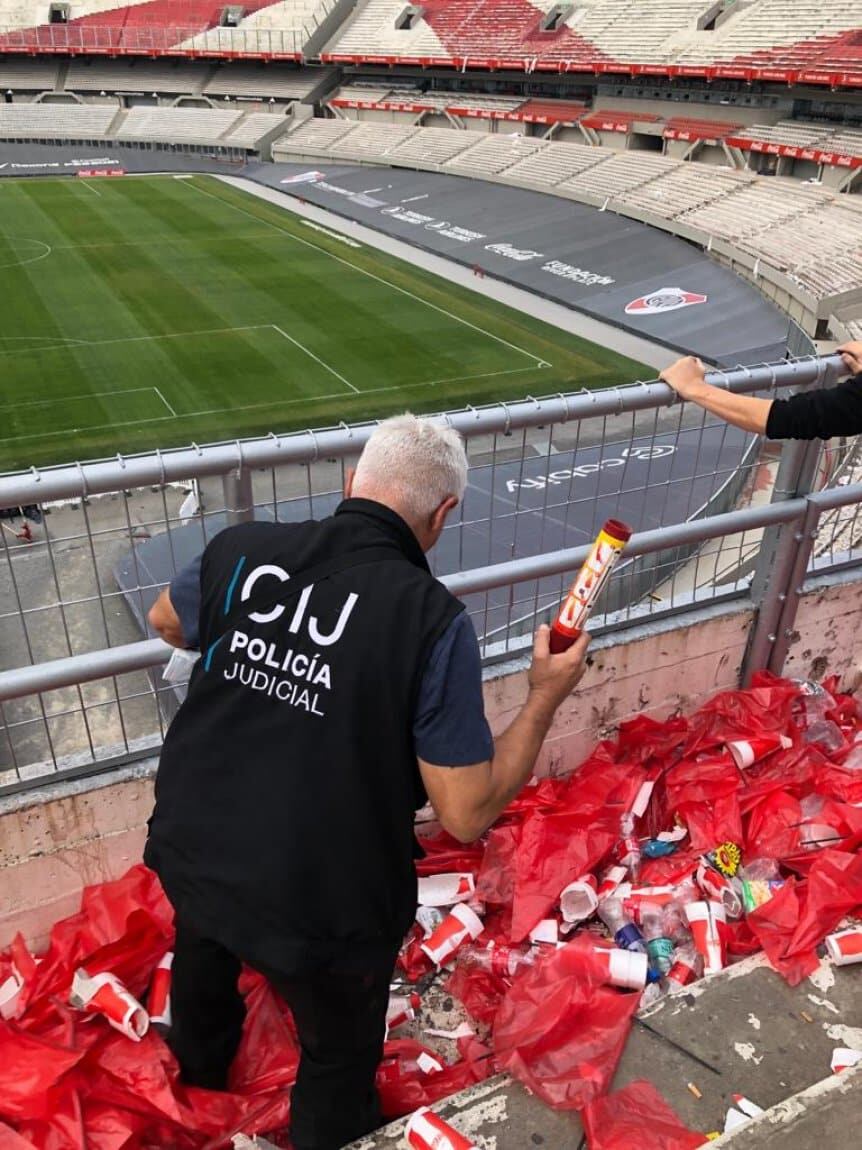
[{"x": 81, "y": 686}]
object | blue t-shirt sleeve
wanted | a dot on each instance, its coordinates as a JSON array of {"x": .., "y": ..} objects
[
  {"x": 185, "y": 594},
  {"x": 450, "y": 728}
]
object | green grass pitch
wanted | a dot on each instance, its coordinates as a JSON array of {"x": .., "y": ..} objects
[{"x": 149, "y": 312}]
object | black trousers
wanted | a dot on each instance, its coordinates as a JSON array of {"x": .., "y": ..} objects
[{"x": 340, "y": 1021}]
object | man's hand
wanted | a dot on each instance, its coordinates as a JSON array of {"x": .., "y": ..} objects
[
  {"x": 552, "y": 678},
  {"x": 851, "y": 353},
  {"x": 687, "y": 377}
]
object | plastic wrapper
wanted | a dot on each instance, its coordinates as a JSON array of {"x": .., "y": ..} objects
[
  {"x": 637, "y": 1115},
  {"x": 561, "y": 1031}
]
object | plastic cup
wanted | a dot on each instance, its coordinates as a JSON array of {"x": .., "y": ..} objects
[
  {"x": 460, "y": 926},
  {"x": 845, "y": 947},
  {"x": 746, "y": 752},
  {"x": 580, "y": 899},
  {"x": 426, "y": 1130}
]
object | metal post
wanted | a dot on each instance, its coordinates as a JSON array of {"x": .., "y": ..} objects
[
  {"x": 785, "y": 629},
  {"x": 238, "y": 496}
]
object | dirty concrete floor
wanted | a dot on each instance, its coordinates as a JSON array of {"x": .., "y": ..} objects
[{"x": 746, "y": 1023}]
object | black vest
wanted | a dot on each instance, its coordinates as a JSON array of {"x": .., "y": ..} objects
[{"x": 288, "y": 781}]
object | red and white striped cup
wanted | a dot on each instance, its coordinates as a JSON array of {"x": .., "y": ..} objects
[
  {"x": 580, "y": 899},
  {"x": 460, "y": 926},
  {"x": 845, "y": 947},
  {"x": 747, "y": 752},
  {"x": 426, "y": 1130},
  {"x": 159, "y": 1000},
  {"x": 402, "y": 1008},
  {"x": 718, "y": 888},
  {"x": 104, "y": 994},
  {"x": 708, "y": 929},
  {"x": 446, "y": 889},
  {"x": 611, "y": 879}
]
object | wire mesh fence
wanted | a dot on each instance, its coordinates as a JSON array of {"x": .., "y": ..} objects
[{"x": 105, "y": 538}]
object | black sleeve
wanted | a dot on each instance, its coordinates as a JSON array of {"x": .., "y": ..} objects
[{"x": 818, "y": 414}]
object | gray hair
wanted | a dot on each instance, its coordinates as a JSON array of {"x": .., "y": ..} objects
[{"x": 414, "y": 461}]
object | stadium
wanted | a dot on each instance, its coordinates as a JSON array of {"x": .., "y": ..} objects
[{"x": 235, "y": 237}]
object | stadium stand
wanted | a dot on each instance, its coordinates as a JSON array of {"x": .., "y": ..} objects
[
  {"x": 494, "y": 154},
  {"x": 257, "y": 80},
  {"x": 28, "y": 75},
  {"x": 95, "y": 75},
  {"x": 317, "y": 137},
  {"x": 157, "y": 26},
  {"x": 782, "y": 37},
  {"x": 370, "y": 140},
  {"x": 620, "y": 174},
  {"x": 753, "y": 208},
  {"x": 685, "y": 188},
  {"x": 190, "y": 125},
  {"x": 689, "y": 128},
  {"x": 252, "y": 128},
  {"x": 552, "y": 166},
  {"x": 433, "y": 146},
  {"x": 55, "y": 121}
]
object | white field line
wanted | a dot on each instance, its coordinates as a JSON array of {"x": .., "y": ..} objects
[
  {"x": 162, "y": 240},
  {"x": 388, "y": 283},
  {"x": 4, "y": 407},
  {"x": 316, "y": 358},
  {"x": 243, "y": 407},
  {"x": 165, "y": 402},
  {"x": 86, "y": 184}
]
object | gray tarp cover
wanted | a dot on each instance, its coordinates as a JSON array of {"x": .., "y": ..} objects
[{"x": 616, "y": 269}]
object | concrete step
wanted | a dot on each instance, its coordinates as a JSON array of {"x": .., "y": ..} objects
[{"x": 747, "y": 1024}]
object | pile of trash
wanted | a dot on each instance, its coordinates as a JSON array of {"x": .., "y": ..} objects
[{"x": 672, "y": 851}]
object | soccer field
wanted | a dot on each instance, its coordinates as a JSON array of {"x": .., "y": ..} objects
[{"x": 149, "y": 312}]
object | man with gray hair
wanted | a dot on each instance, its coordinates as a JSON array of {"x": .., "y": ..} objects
[{"x": 339, "y": 687}]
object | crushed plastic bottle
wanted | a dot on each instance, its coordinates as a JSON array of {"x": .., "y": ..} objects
[
  {"x": 625, "y": 934},
  {"x": 659, "y": 948},
  {"x": 499, "y": 959},
  {"x": 687, "y": 966}
]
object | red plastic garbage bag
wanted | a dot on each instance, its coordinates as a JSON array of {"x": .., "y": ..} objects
[
  {"x": 496, "y": 881},
  {"x": 801, "y": 914},
  {"x": 773, "y": 827},
  {"x": 704, "y": 794},
  {"x": 479, "y": 991},
  {"x": 29, "y": 1068},
  {"x": 638, "y": 1116},
  {"x": 560, "y": 1031},
  {"x": 404, "y": 1086}
]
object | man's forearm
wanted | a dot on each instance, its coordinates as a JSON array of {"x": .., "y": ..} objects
[
  {"x": 745, "y": 411},
  {"x": 515, "y": 755}
]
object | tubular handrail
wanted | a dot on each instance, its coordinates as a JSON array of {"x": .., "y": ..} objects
[
  {"x": 77, "y": 480},
  {"x": 75, "y": 669}
]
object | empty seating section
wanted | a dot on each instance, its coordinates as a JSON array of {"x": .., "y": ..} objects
[
  {"x": 279, "y": 29},
  {"x": 55, "y": 121},
  {"x": 28, "y": 75},
  {"x": 794, "y": 134},
  {"x": 252, "y": 128},
  {"x": 776, "y": 32},
  {"x": 687, "y": 128},
  {"x": 433, "y": 146},
  {"x": 848, "y": 143},
  {"x": 370, "y": 141},
  {"x": 620, "y": 173},
  {"x": 192, "y": 125},
  {"x": 554, "y": 164},
  {"x": 317, "y": 137},
  {"x": 819, "y": 250},
  {"x": 494, "y": 154},
  {"x": 754, "y": 208},
  {"x": 95, "y": 74},
  {"x": 803, "y": 34},
  {"x": 267, "y": 28},
  {"x": 684, "y": 188},
  {"x": 551, "y": 111},
  {"x": 281, "y": 82}
]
